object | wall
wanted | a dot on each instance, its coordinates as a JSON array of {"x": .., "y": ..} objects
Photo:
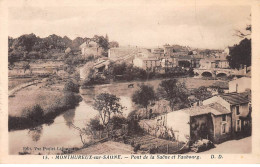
[
  {"x": 219, "y": 137},
  {"x": 138, "y": 62},
  {"x": 92, "y": 50},
  {"x": 178, "y": 121},
  {"x": 244, "y": 110},
  {"x": 205, "y": 64},
  {"x": 223, "y": 64},
  {"x": 201, "y": 127},
  {"x": 242, "y": 84}
]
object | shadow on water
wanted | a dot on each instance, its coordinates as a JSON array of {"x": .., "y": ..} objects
[
  {"x": 35, "y": 133},
  {"x": 69, "y": 117}
]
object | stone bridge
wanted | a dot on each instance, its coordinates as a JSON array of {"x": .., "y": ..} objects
[{"x": 218, "y": 72}]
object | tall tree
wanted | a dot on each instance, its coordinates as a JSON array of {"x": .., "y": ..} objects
[
  {"x": 240, "y": 54},
  {"x": 175, "y": 92},
  {"x": 144, "y": 95},
  {"x": 107, "y": 105}
]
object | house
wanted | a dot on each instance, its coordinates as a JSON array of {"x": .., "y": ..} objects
[
  {"x": 91, "y": 48},
  {"x": 240, "y": 85},
  {"x": 159, "y": 52},
  {"x": 238, "y": 105},
  {"x": 212, "y": 121},
  {"x": 207, "y": 63},
  {"x": 99, "y": 67},
  {"x": 148, "y": 64}
]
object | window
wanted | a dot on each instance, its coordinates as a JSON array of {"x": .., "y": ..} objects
[
  {"x": 223, "y": 128},
  {"x": 224, "y": 118},
  {"x": 238, "y": 125},
  {"x": 237, "y": 110}
]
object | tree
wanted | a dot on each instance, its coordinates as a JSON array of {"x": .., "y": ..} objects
[
  {"x": 144, "y": 96},
  {"x": 71, "y": 86},
  {"x": 202, "y": 93},
  {"x": 113, "y": 44},
  {"x": 240, "y": 54},
  {"x": 175, "y": 92},
  {"x": 107, "y": 104},
  {"x": 102, "y": 41}
]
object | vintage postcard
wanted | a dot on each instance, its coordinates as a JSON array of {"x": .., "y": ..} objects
[{"x": 129, "y": 81}]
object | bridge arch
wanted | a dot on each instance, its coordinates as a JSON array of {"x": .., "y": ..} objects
[
  {"x": 222, "y": 74},
  {"x": 206, "y": 74}
]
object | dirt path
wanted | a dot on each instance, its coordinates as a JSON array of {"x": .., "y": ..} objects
[
  {"x": 242, "y": 146},
  {"x": 20, "y": 87},
  {"x": 108, "y": 147}
]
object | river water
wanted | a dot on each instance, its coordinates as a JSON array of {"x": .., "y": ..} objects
[{"x": 50, "y": 138}]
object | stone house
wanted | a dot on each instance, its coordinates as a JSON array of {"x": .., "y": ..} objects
[
  {"x": 211, "y": 121},
  {"x": 238, "y": 105},
  {"x": 91, "y": 48},
  {"x": 148, "y": 64}
]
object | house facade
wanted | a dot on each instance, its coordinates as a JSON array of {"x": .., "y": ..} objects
[
  {"x": 238, "y": 105},
  {"x": 148, "y": 64},
  {"x": 211, "y": 122},
  {"x": 91, "y": 48}
]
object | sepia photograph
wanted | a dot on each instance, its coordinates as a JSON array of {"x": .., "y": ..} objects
[{"x": 129, "y": 79}]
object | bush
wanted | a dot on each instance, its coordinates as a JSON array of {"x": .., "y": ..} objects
[
  {"x": 118, "y": 122},
  {"x": 35, "y": 114},
  {"x": 95, "y": 125},
  {"x": 71, "y": 99},
  {"x": 70, "y": 86}
]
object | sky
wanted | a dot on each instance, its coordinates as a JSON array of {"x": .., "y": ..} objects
[{"x": 146, "y": 24}]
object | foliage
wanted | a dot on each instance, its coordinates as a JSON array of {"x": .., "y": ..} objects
[
  {"x": 102, "y": 41},
  {"x": 202, "y": 93},
  {"x": 94, "y": 125},
  {"x": 133, "y": 124},
  {"x": 71, "y": 99},
  {"x": 71, "y": 86},
  {"x": 128, "y": 72},
  {"x": 174, "y": 92},
  {"x": 240, "y": 54},
  {"x": 35, "y": 113},
  {"x": 144, "y": 95},
  {"x": 118, "y": 121},
  {"x": 113, "y": 44},
  {"x": 107, "y": 104}
]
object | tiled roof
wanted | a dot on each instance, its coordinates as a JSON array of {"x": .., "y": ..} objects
[
  {"x": 214, "y": 108},
  {"x": 247, "y": 95},
  {"x": 234, "y": 98}
]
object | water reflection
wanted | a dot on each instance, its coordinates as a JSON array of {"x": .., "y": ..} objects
[
  {"x": 69, "y": 117},
  {"x": 35, "y": 133}
]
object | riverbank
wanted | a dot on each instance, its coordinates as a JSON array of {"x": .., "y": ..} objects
[
  {"x": 122, "y": 89},
  {"x": 39, "y": 103}
]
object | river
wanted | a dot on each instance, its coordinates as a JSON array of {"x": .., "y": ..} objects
[
  {"x": 61, "y": 134},
  {"x": 58, "y": 134}
]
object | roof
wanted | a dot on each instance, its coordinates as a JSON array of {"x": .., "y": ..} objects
[
  {"x": 101, "y": 63},
  {"x": 235, "y": 98},
  {"x": 246, "y": 94},
  {"x": 213, "y": 108}
]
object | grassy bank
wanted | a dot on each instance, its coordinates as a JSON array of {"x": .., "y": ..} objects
[
  {"x": 40, "y": 103},
  {"x": 36, "y": 114}
]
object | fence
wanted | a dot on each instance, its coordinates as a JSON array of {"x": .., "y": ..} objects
[{"x": 164, "y": 143}]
